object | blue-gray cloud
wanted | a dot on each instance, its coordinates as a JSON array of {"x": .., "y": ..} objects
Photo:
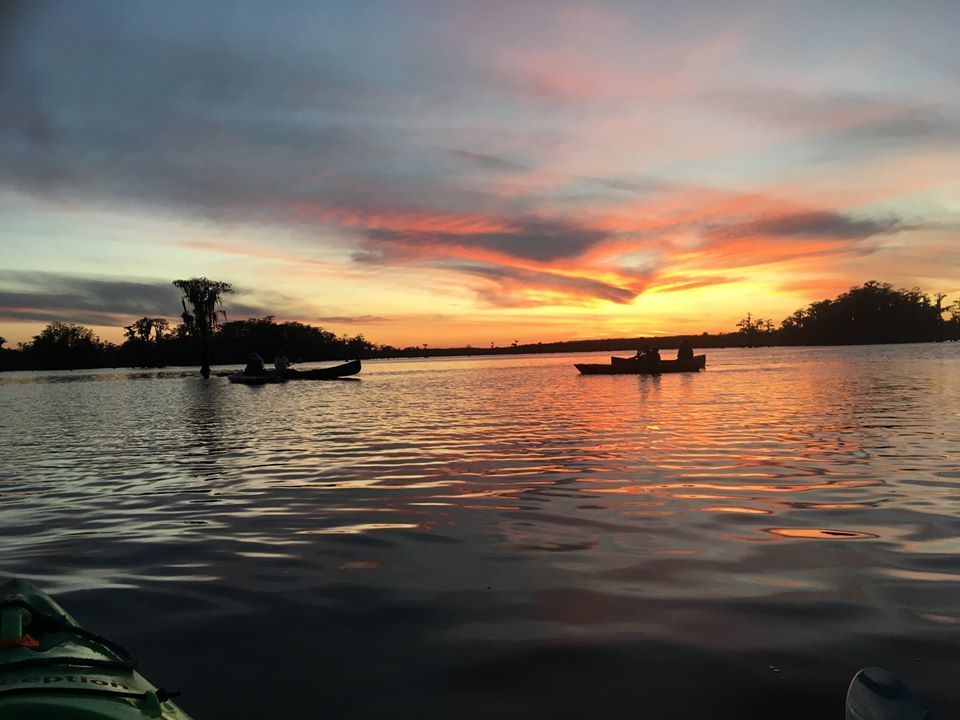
[
  {"x": 236, "y": 116},
  {"x": 352, "y": 319},
  {"x": 488, "y": 162},
  {"x": 541, "y": 239},
  {"x": 825, "y": 224},
  {"x": 504, "y": 278},
  {"x": 839, "y": 125},
  {"x": 31, "y": 296},
  {"x": 303, "y": 113}
]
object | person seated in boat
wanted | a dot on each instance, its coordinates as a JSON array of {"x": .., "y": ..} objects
[
  {"x": 685, "y": 351},
  {"x": 254, "y": 365},
  {"x": 647, "y": 354},
  {"x": 281, "y": 362}
]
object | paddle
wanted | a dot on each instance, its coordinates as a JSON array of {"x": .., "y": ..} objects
[{"x": 878, "y": 694}]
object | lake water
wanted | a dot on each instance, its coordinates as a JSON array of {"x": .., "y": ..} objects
[{"x": 502, "y": 537}]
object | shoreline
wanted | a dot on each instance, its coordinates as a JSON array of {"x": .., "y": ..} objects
[{"x": 489, "y": 352}]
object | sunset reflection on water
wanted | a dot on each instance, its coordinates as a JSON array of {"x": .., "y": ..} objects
[{"x": 469, "y": 530}]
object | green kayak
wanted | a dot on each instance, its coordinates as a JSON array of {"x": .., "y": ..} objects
[{"x": 53, "y": 669}]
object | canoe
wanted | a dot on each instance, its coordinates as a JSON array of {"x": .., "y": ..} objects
[
  {"x": 51, "y": 668},
  {"x": 698, "y": 362},
  {"x": 330, "y": 373},
  {"x": 254, "y": 379},
  {"x": 600, "y": 369},
  {"x": 629, "y": 366}
]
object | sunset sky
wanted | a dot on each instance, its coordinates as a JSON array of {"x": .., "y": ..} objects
[{"x": 466, "y": 172}]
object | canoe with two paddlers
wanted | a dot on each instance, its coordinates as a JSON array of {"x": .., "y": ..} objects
[
  {"x": 632, "y": 366},
  {"x": 330, "y": 373}
]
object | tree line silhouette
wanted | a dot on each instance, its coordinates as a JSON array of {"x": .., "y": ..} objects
[
  {"x": 872, "y": 313},
  {"x": 62, "y": 346}
]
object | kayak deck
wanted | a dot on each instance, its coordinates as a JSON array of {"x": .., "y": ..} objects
[{"x": 53, "y": 669}]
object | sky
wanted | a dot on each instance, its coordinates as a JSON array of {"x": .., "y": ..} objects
[{"x": 459, "y": 172}]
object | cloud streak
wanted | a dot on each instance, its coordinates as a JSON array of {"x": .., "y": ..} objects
[
  {"x": 810, "y": 224},
  {"x": 540, "y": 239},
  {"x": 844, "y": 124},
  {"x": 48, "y": 297},
  {"x": 515, "y": 286}
]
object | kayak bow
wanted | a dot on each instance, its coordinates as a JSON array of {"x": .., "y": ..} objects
[
  {"x": 878, "y": 694},
  {"x": 53, "y": 669}
]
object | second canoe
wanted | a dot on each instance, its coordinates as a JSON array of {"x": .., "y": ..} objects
[{"x": 630, "y": 366}]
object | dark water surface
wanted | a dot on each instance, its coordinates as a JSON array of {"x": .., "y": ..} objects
[{"x": 502, "y": 537}]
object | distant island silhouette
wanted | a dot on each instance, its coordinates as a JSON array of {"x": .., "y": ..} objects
[{"x": 873, "y": 313}]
